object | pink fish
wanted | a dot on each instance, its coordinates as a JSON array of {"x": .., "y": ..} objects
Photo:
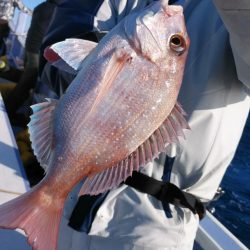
[{"x": 118, "y": 114}]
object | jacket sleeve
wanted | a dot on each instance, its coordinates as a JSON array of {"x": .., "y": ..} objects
[
  {"x": 19, "y": 4},
  {"x": 236, "y": 17}
]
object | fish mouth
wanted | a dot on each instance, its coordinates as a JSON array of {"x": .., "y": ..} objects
[
  {"x": 143, "y": 22},
  {"x": 172, "y": 10}
]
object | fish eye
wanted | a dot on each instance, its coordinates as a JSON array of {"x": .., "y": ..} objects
[{"x": 177, "y": 43}]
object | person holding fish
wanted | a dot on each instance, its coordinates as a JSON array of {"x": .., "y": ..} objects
[{"x": 120, "y": 114}]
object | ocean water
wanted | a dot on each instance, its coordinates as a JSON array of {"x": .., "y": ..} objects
[{"x": 233, "y": 207}]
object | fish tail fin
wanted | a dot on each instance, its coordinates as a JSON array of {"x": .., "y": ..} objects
[{"x": 37, "y": 216}]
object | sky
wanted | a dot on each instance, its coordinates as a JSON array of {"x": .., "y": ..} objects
[{"x": 32, "y": 3}]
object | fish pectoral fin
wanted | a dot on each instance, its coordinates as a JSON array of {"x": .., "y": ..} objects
[
  {"x": 117, "y": 62},
  {"x": 40, "y": 130},
  {"x": 69, "y": 54},
  {"x": 167, "y": 133}
]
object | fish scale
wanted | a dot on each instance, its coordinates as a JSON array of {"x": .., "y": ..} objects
[{"x": 107, "y": 108}]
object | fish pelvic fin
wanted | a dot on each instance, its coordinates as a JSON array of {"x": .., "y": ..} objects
[
  {"x": 69, "y": 54},
  {"x": 38, "y": 218},
  {"x": 167, "y": 133},
  {"x": 41, "y": 130}
]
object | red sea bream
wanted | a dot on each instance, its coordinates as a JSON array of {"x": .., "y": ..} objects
[{"x": 118, "y": 114}]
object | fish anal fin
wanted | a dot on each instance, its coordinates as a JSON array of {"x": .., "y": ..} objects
[{"x": 41, "y": 130}]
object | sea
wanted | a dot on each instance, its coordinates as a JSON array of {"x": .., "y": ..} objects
[{"x": 232, "y": 209}]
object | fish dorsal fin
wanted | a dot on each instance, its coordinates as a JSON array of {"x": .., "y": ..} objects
[
  {"x": 69, "y": 54},
  {"x": 167, "y": 133},
  {"x": 40, "y": 130}
]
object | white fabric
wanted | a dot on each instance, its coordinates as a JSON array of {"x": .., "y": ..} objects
[
  {"x": 113, "y": 11},
  {"x": 217, "y": 108},
  {"x": 236, "y": 15},
  {"x": 215, "y": 101}
]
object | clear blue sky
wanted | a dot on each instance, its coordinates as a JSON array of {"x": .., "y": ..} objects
[{"x": 32, "y": 3}]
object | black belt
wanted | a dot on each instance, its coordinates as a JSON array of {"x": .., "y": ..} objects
[
  {"x": 163, "y": 191},
  {"x": 166, "y": 192}
]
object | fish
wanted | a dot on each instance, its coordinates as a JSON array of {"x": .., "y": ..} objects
[{"x": 119, "y": 113}]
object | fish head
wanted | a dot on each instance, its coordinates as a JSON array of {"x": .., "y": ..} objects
[{"x": 158, "y": 34}]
